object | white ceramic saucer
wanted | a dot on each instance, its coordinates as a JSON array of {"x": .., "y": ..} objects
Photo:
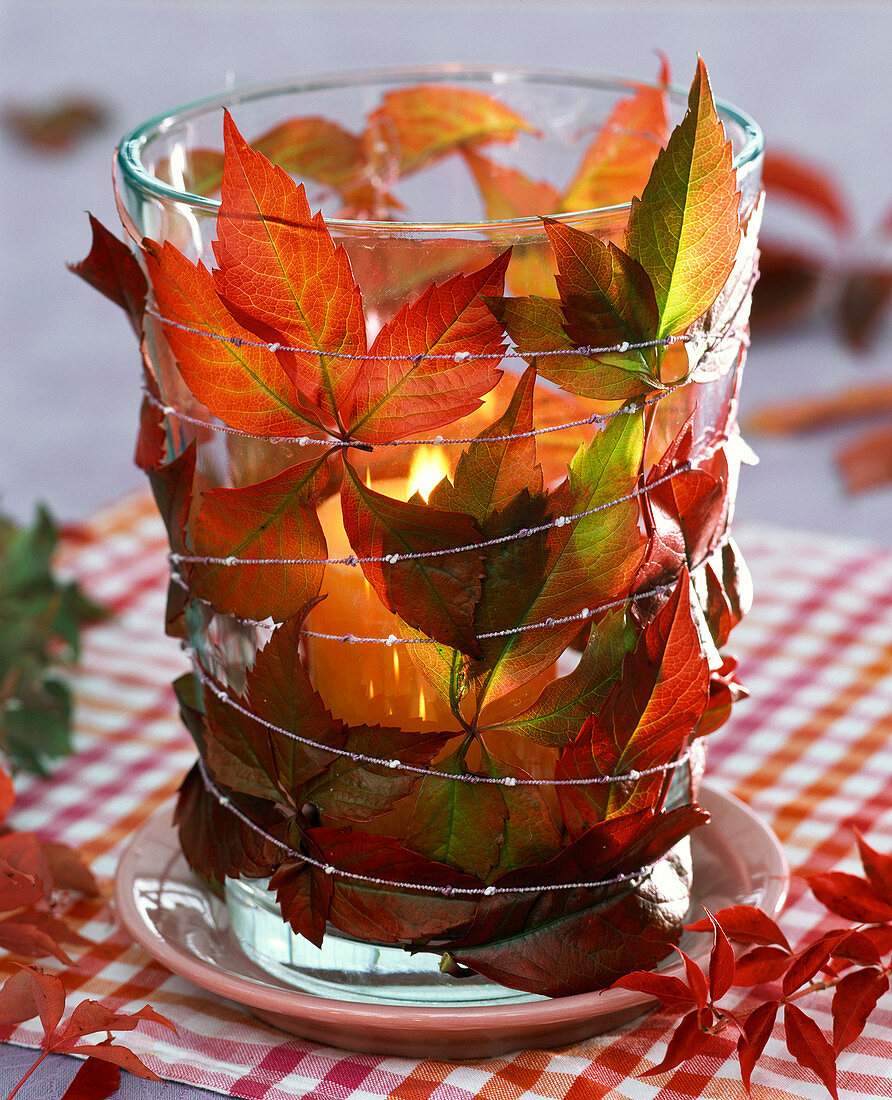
[{"x": 164, "y": 907}]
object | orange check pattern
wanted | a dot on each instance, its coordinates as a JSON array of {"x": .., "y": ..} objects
[{"x": 811, "y": 751}]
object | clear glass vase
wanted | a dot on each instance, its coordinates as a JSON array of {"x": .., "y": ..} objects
[{"x": 357, "y": 659}]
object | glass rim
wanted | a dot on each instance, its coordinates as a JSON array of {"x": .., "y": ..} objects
[{"x": 129, "y": 159}]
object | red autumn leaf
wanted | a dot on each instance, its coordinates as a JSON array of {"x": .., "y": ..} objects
[
  {"x": 877, "y": 866},
  {"x": 118, "y": 1055},
  {"x": 281, "y": 274},
  {"x": 250, "y": 388},
  {"x": 762, "y": 964},
  {"x": 881, "y": 937},
  {"x": 670, "y": 991},
  {"x": 684, "y": 229},
  {"x": 849, "y": 896},
  {"x": 721, "y": 961},
  {"x": 744, "y": 924},
  {"x": 436, "y": 594},
  {"x": 560, "y": 951},
  {"x": 724, "y": 691},
  {"x": 95, "y": 1080},
  {"x": 786, "y": 174},
  {"x": 854, "y": 999},
  {"x": 151, "y": 441},
  {"x": 198, "y": 171},
  {"x": 645, "y": 721},
  {"x": 606, "y": 296},
  {"x": 311, "y": 147},
  {"x": 697, "y": 982},
  {"x": 217, "y": 844},
  {"x": 400, "y": 389},
  {"x": 688, "y": 1039},
  {"x": 857, "y": 947},
  {"x": 111, "y": 268},
  {"x": 619, "y": 160},
  {"x": 418, "y": 125},
  {"x": 808, "y": 1045},
  {"x": 864, "y": 305},
  {"x": 7, "y": 794},
  {"x": 28, "y": 938},
  {"x": 489, "y": 475},
  {"x": 171, "y": 485},
  {"x": 303, "y": 892},
  {"x": 866, "y": 461},
  {"x": 29, "y": 993},
  {"x": 757, "y": 1030},
  {"x": 385, "y": 914},
  {"x": 789, "y": 286},
  {"x": 270, "y": 520},
  {"x": 813, "y": 958}
]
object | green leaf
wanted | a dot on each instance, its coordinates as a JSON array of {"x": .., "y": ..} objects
[
  {"x": 557, "y": 715},
  {"x": 684, "y": 230},
  {"x": 458, "y": 823},
  {"x": 536, "y": 325},
  {"x": 589, "y": 559}
]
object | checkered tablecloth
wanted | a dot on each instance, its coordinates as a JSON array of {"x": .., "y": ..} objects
[{"x": 811, "y": 751}]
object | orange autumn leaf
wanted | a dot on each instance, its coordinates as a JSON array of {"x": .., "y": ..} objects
[
  {"x": 245, "y": 386},
  {"x": 272, "y": 520},
  {"x": 400, "y": 390}
]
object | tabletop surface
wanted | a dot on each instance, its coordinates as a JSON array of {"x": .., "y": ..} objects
[{"x": 810, "y": 752}]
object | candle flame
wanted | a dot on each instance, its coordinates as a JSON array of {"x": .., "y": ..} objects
[
  {"x": 422, "y": 709},
  {"x": 429, "y": 467}
]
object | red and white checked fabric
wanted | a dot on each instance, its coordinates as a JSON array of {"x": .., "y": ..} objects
[{"x": 811, "y": 751}]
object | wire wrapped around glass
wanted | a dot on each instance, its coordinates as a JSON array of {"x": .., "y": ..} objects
[{"x": 443, "y": 429}]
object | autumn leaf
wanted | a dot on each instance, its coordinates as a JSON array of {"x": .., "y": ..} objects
[
  {"x": 382, "y": 914},
  {"x": 536, "y": 325},
  {"x": 756, "y": 1032},
  {"x": 785, "y": 174},
  {"x": 618, "y": 161},
  {"x": 198, "y": 171},
  {"x": 557, "y": 715},
  {"x": 268, "y": 521},
  {"x": 436, "y": 594},
  {"x": 458, "y": 823},
  {"x": 849, "y": 896},
  {"x": 562, "y": 953},
  {"x": 281, "y": 274},
  {"x": 590, "y": 556},
  {"x": 854, "y": 999},
  {"x": 507, "y": 193},
  {"x": 606, "y": 295},
  {"x": 111, "y": 268},
  {"x": 316, "y": 148},
  {"x": 809, "y": 1046},
  {"x": 245, "y": 753},
  {"x": 500, "y": 464},
  {"x": 645, "y": 721},
  {"x": 246, "y": 386},
  {"x": 94, "y": 1080},
  {"x": 400, "y": 390},
  {"x": 684, "y": 229},
  {"x": 416, "y": 126}
]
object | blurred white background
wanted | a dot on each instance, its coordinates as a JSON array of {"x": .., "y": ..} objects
[{"x": 815, "y": 75}]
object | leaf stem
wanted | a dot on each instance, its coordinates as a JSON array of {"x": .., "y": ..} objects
[{"x": 27, "y": 1075}]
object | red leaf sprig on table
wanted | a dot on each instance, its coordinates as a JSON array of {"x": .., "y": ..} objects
[
  {"x": 30, "y": 992},
  {"x": 32, "y": 872},
  {"x": 855, "y": 961}
]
